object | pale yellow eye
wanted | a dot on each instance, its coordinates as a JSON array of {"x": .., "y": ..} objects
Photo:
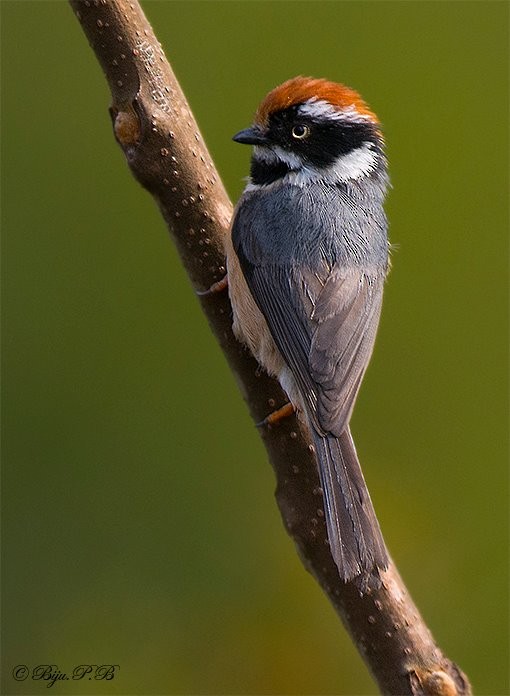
[{"x": 299, "y": 132}]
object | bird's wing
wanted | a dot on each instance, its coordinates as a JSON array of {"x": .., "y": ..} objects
[
  {"x": 324, "y": 324},
  {"x": 345, "y": 319}
]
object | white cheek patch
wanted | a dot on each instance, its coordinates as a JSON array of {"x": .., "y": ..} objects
[
  {"x": 320, "y": 109},
  {"x": 353, "y": 166}
]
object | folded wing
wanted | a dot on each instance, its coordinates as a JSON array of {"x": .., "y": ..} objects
[{"x": 324, "y": 322}]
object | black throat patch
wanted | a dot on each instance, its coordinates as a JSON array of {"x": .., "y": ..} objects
[{"x": 263, "y": 173}]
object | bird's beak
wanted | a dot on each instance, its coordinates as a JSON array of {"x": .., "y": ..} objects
[{"x": 251, "y": 136}]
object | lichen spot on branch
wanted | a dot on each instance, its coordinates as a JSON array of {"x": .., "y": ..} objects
[
  {"x": 127, "y": 128},
  {"x": 437, "y": 683}
]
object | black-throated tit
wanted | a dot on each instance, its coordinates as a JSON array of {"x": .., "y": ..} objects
[{"x": 306, "y": 264}]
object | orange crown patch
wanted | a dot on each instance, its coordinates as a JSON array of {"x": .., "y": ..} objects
[{"x": 300, "y": 89}]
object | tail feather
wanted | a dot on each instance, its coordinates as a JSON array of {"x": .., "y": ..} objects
[{"x": 354, "y": 534}]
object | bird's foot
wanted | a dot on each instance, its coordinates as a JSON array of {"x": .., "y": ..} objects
[
  {"x": 276, "y": 416},
  {"x": 215, "y": 288}
]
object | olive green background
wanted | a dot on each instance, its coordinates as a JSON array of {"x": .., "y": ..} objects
[{"x": 139, "y": 525}]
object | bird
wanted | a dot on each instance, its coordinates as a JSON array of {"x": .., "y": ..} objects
[{"x": 307, "y": 258}]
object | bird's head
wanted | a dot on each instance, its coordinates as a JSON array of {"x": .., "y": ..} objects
[{"x": 310, "y": 129}]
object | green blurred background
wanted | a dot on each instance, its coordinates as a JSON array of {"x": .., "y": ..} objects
[{"x": 139, "y": 525}]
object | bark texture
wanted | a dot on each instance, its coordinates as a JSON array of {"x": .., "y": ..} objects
[{"x": 153, "y": 124}]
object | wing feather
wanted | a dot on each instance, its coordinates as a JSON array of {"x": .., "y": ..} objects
[{"x": 342, "y": 341}]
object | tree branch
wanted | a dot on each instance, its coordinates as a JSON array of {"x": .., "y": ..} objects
[{"x": 165, "y": 151}]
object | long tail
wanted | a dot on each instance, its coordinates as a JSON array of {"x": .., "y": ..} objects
[{"x": 354, "y": 534}]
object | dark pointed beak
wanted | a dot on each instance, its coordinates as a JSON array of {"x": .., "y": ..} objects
[{"x": 251, "y": 136}]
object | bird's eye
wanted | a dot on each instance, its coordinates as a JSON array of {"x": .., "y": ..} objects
[{"x": 299, "y": 132}]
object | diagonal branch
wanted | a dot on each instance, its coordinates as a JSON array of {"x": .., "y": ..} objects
[{"x": 164, "y": 149}]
